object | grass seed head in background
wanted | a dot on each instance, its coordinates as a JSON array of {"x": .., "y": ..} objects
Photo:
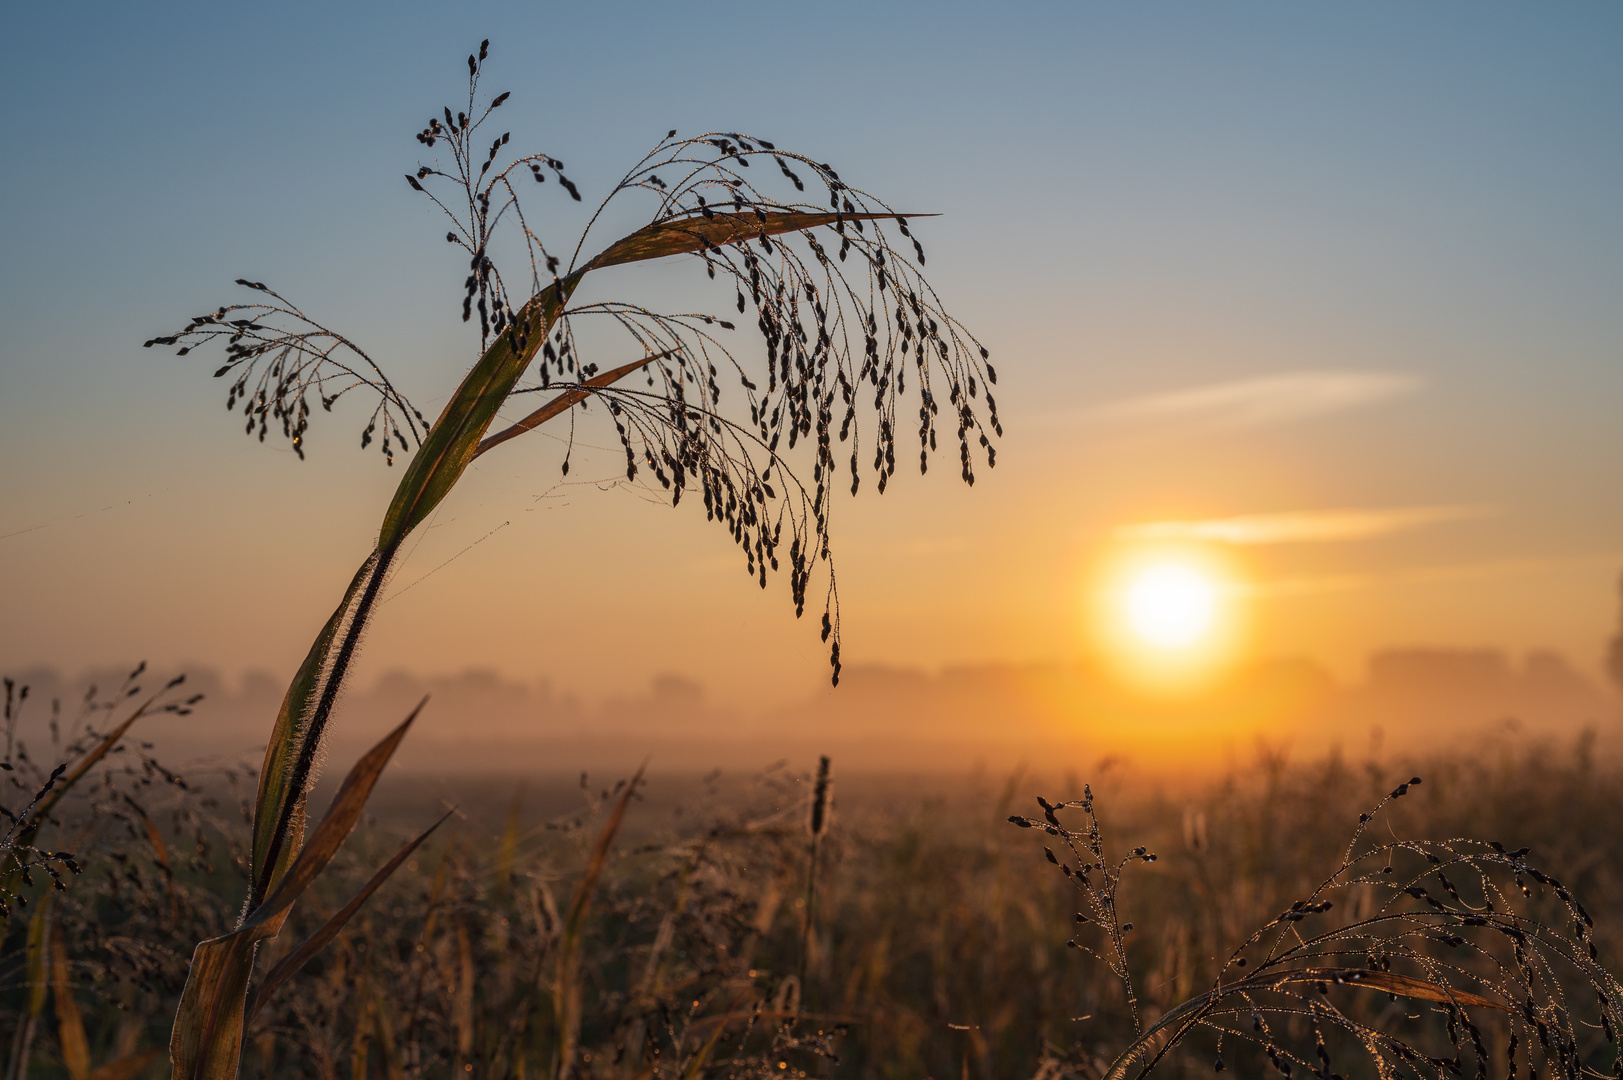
[
  {"x": 153, "y": 846},
  {"x": 85, "y": 755},
  {"x": 846, "y": 322},
  {"x": 1423, "y": 958}
]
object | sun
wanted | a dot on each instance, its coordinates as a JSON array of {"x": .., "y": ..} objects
[
  {"x": 1168, "y": 618},
  {"x": 1170, "y": 605}
]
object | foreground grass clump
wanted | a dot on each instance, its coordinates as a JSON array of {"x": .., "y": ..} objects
[{"x": 670, "y": 927}]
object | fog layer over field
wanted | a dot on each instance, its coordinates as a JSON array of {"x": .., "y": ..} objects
[{"x": 894, "y": 720}]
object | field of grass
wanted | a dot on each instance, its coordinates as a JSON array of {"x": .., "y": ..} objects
[{"x": 916, "y": 932}]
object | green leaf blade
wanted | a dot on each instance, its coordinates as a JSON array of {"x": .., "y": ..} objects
[
  {"x": 453, "y": 441},
  {"x": 274, "y": 775},
  {"x": 206, "y": 1041}
]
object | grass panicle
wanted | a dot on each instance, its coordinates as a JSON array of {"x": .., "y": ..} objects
[
  {"x": 810, "y": 310},
  {"x": 1496, "y": 959}
]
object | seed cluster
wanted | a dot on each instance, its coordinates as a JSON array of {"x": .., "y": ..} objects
[
  {"x": 841, "y": 332},
  {"x": 482, "y": 199},
  {"x": 279, "y": 356},
  {"x": 1453, "y": 928},
  {"x": 846, "y": 320},
  {"x": 1098, "y": 897}
]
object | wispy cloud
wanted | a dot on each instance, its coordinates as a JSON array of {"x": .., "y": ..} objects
[
  {"x": 1266, "y": 400},
  {"x": 1442, "y": 573},
  {"x": 1304, "y": 526}
]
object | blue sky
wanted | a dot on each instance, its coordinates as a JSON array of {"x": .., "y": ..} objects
[{"x": 1138, "y": 202}]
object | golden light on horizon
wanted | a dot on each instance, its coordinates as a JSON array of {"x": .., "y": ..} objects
[{"x": 1168, "y": 617}]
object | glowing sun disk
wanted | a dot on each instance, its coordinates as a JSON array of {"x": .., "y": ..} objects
[{"x": 1171, "y": 606}]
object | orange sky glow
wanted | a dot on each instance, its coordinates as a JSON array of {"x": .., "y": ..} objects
[{"x": 1339, "y": 358}]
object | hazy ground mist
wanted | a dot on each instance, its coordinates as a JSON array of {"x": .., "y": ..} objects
[
  {"x": 935, "y": 943},
  {"x": 963, "y": 720}
]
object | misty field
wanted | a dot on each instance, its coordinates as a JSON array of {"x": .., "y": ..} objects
[
  {"x": 1088, "y": 803},
  {"x": 740, "y": 924}
]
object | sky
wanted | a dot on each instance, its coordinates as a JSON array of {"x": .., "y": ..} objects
[{"x": 1330, "y": 291}]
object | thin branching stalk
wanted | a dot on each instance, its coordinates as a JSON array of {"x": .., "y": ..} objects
[{"x": 1452, "y": 927}]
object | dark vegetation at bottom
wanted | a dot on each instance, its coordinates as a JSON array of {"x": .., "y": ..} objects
[{"x": 911, "y": 934}]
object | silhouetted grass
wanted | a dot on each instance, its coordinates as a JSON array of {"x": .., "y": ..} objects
[
  {"x": 936, "y": 943},
  {"x": 675, "y": 429}
]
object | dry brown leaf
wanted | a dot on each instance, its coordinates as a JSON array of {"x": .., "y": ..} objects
[
  {"x": 70, "y": 1025},
  {"x": 680, "y": 236},
  {"x": 206, "y": 1041},
  {"x": 567, "y": 400}
]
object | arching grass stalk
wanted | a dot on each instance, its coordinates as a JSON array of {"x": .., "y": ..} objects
[
  {"x": 831, "y": 318},
  {"x": 1493, "y": 960}
]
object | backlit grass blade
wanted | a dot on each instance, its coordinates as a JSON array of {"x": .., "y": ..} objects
[
  {"x": 207, "y": 1037},
  {"x": 36, "y": 979},
  {"x": 1185, "y": 1015},
  {"x": 361, "y": 1046},
  {"x": 683, "y": 235},
  {"x": 339, "y": 820},
  {"x": 88, "y": 762},
  {"x": 70, "y": 1025},
  {"x": 329, "y": 930},
  {"x": 275, "y": 776},
  {"x": 566, "y": 995},
  {"x": 287, "y": 829},
  {"x": 454, "y": 438},
  {"x": 1386, "y": 981},
  {"x": 507, "y": 850},
  {"x": 206, "y": 1041},
  {"x": 392, "y": 1067},
  {"x": 568, "y": 399}
]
